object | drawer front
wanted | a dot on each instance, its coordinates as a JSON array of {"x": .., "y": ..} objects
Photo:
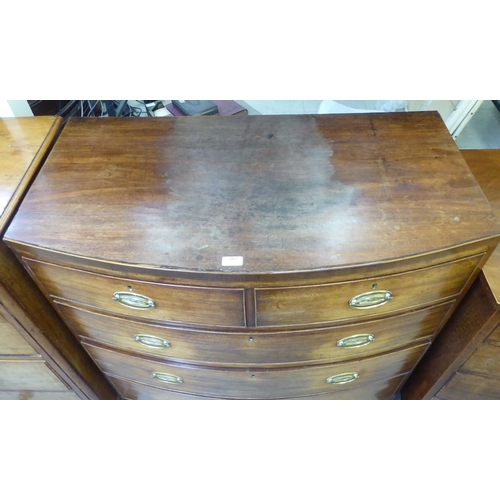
[
  {"x": 485, "y": 361},
  {"x": 327, "y": 303},
  {"x": 494, "y": 337},
  {"x": 185, "y": 304},
  {"x": 11, "y": 342},
  {"x": 383, "y": 389},
  {"x": 464, "y": 386},
  {"x": 256, "y": 383},
  {"x": 333, "y": 344},
  {"x": 21, "y": 375},
  {"x": 38, "y": 395}
]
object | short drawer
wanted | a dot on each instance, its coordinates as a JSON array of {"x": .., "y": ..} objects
[
  {"x": 384, "y": 389},
  {"x": 256, "y": 347},
  {"x": 175, "y": 303},
  {"x": 382, "y": 295},
  {"x": 255, "y": 383}
]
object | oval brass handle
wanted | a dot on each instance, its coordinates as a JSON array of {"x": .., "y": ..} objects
[
  {"x": 134, "y": 300},
  {"x": 167, "y": 378},
  {"x": 356, "y": 341},
  {"x": 368, "y": 300},
  {"x": 343, "y": 378},
  {"x": 152, "y": 341}
]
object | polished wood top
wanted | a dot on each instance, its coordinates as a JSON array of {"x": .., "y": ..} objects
[
  {"x": 285, "y": 193},
  {"x": 23, "y": 141},
  {"x": 485, "y": 165}
]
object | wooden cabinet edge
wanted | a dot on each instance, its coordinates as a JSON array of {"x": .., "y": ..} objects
[
  {"x": 46, "y": 331},
  {"x": 31, "y": 173},
  {"x": 454, "y": 344},
  {"x": 87, "y": 385},
  {"x": 253, "y": 280}
]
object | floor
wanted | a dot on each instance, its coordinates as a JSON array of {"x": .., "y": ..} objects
[{"x": 483, "y": 131}]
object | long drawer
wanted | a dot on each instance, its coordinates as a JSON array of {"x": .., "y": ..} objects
[
  {"x": 383, "y": 389},
  {"x": 12, "y": 343},
  {"x": 357, "y": 299},
  {"x": 39, "y": 395},
  {"x": 256, "y": 383},
  {"x": 247, "y": 348},
  {"x": 28, "y": 375},
  {"x": 176, "y": 303}
]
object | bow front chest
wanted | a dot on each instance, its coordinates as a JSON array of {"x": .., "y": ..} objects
[{"x": 255, "y": 257}]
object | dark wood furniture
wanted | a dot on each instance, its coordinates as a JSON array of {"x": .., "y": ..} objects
[
  {"x": 464, "y": 362},
  {"x": 39, "y": 358},
  {"x": 311, "y": 257}
]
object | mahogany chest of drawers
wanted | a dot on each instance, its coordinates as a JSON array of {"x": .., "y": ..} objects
[
  {"x": 255, "y": 257},
  {"x": 465, "y": 361},
  {"x": 39, "y": 357}
]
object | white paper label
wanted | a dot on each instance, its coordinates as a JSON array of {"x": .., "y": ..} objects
[{"x": 232, "y": 261}]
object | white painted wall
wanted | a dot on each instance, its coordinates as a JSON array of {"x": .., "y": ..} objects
[{"x": 14, "y": 108}]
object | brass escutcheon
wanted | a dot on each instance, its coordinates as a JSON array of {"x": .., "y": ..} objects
[
  {"x": 133, "y": 300},
  {"x": 375, "y": 298},
  {"x": 343, "y": 378},
  {"x": 167, "y": 378},
  {"x": 356, "y": 341},
  {"x": 152, "y": 341}
]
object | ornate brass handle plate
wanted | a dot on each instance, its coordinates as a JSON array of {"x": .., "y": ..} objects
[
  {"x": 375, "y": 298},
  {"x": 134, "y": 300},
  {"x": 152, "y": 341},
  {"x": 343, "y": 378},
  {"x": 167, "y": 378},
  {"x": 356, "y": 341}
]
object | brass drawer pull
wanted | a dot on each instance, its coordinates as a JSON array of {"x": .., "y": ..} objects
[
  {"x": 343, "y": 378},
  {"x": 133, "y": 300},
  {"x": 371, "y": 299},
  {"x": 167, "y": 378},
  {"x": 356, "y": 341},
  {"x": 151, "y": 341}
]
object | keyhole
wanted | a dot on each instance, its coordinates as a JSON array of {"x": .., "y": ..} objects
[
  {"x": 374, "y": 287},
  {"x": 250, "y": 339},
  {"x": 129, "y": 288},
  {"x": 253, "y": 376}
]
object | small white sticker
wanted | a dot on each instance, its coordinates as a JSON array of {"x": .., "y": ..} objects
[{"x": 232, "y": 261}]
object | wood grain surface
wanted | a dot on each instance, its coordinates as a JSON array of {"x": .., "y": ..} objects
[
  {"x": 464, "y": 361},
  {"x": 327, "y": 303},
  {"x": 255, "y": 347},
  {"x": 485, "y": 165},
  {"x": 312, "y": 209},
  {"x": 23, "y": 143},
  {"x": 12, "y": 342},
  {"x": 255, "y": 383},
  {"x": 466, "y": 386},
  {"x": 384, "y": 389},
  {"x": 176, "y": 303},
  {"x": 38, "y": 354},
  {"x": 284, "y": 192}
]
